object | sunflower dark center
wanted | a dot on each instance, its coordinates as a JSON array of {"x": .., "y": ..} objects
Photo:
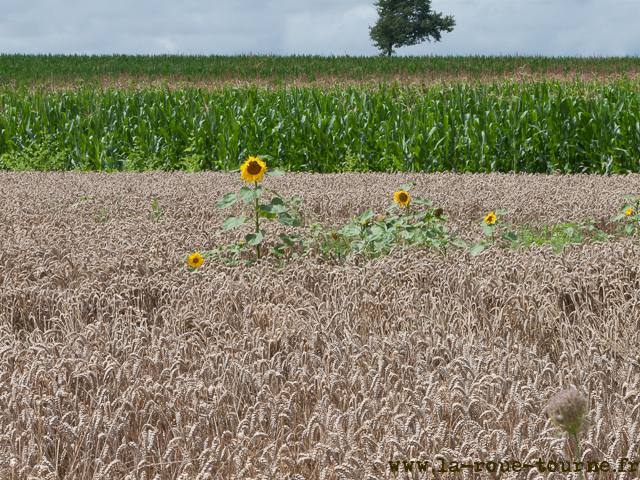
[
  {"x": 254, "y": 168},
  {"x": 403, "y": 197}
]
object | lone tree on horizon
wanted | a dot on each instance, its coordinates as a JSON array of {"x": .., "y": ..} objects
[{"x": 407, "y": 22}]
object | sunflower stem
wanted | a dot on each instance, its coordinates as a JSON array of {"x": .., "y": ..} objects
[{"x": 257, "y": 224}]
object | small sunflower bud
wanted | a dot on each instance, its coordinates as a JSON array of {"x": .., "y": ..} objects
[
  {"x": 439, "y": 211},
  {"x": 567, "y": 410}
]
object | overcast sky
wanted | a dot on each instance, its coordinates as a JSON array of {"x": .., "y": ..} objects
[{"x": 313, "y": 27}]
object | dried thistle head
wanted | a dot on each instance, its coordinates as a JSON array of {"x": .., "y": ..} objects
[{"x": 567, "y": 410}]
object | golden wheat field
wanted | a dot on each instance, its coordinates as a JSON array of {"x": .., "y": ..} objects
[{"x": 116, "y": 364}]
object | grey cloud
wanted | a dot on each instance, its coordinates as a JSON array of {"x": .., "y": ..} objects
[{"x": 313, "y": 27}]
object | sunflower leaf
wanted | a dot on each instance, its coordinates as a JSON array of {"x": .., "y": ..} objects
[
  {"x": 287, "y": 239},
  {"x": 422, "y": 201},
  {"x": 407, "y": 186},
  {"x": 502, "y": 212},
  {"x": 276, "y": 172},
  {"x": 274, "y": 192},
  {"x": 618, "y": 217},
  {"x": 625, "y": 207},
  {"x": 255, "y": 238},
  {"x": 249, "y": 195},
  {"x": 350, "y": 230},
  {"x": 288, "y": 220},
  {"x": 474, "y": 249},
  {"x": 357, "y": 246},
  {"x": 276, "y": 206},
  {"x": 365, "y": 217},
  {"x": 268, "y": 216},
  {"x": 228, "y": 200},
  {"x": 279, "y": 249},
  {"x": 488, "y": 229},
  {"x": 232, "y": 222},
  {"x": 512, "y": 237}
]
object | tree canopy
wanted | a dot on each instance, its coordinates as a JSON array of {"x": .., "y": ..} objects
[{"x": 407, "y": 22}]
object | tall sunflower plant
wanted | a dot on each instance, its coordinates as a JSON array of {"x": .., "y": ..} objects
[
  {"x": 253, "y": 171},
  {"x": 489, "y": 225}
]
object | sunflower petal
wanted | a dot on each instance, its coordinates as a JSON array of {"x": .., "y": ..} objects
[{"x": 253, "y": 170}]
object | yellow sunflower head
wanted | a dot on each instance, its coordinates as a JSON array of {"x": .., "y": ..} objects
[
  {"x": 402, "y": 197},
  {"x": 195, "y": 260},
  {"x": 253, "y": 170},
  {"x": 490, "y": 219},
  {"x": 629, "y": 211}
]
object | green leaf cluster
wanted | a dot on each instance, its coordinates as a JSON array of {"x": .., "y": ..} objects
[
  {"x": 157, "y": 212},
  {"x": 561, "y": 234},
  {"x": 633, "y": 218},
  {"x": 373, "y": 237}
]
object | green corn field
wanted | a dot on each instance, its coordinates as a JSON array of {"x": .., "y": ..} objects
[{"x": 542, "y": 126}]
